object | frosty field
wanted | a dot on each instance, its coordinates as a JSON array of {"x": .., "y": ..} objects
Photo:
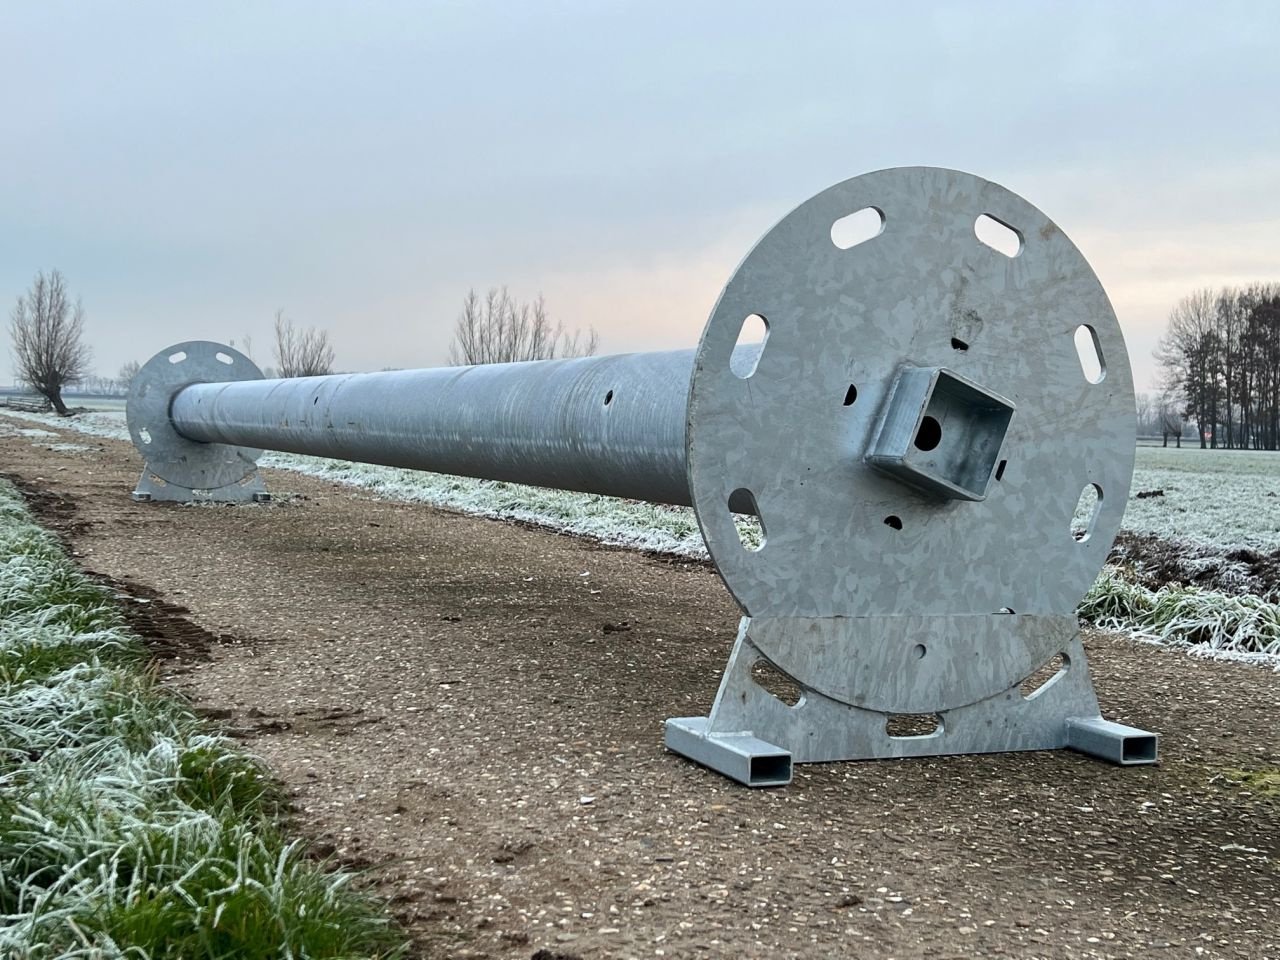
[
  {"x": 1220, "y": 498},
  {"x": 1213, "y": 512}
]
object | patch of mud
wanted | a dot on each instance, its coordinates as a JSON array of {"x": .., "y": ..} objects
[
  {"x": 166, "y": 628},
  {"x": 1155, "y": 562},
  {"x": 56, "y": 513}
]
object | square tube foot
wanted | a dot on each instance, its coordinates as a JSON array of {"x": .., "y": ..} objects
[
  {"x": 739, "y": 756},
  {"x": 1127, "y": 746},
  {"x": 153, "y": 489}
]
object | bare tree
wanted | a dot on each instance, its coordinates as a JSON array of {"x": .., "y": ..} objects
[
  {"x": 1145, "y": 410},
  {"x": 1188, "y": 353},
  {"x": 1168, "y": 412},
  {"x": 500, "y": 329},
  {"x": 127, "y": 372},
  {"x": 47, "y": 330},
  {"x": 301, "y": 353},
  {"x": 1221, "y": 358}
]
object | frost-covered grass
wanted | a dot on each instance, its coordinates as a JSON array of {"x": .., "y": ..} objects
[
  {"x": 1224, "y": 498},
  {"x": 126, "y": 828},
  {"x": 1219, "y": 498},
  {"x": 1206, "y": 622},
  {"x": 630, "y": 523},
  {"x": 109, "y": 425}
]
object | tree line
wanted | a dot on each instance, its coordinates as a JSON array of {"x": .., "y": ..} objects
[
  {"x": 47, "y": 333},
  {"x": 502, "y": 329},
  {"x": 46, "y": 330},
  {"x": 1160, "y": 415},
  {"x": 1219, "y": 356},
  {"x": 1220, "y": 363}
]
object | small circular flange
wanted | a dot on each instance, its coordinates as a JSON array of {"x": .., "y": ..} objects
[
  {"x": 843, "y": 539},
  {"x": 169, "y": 455}
]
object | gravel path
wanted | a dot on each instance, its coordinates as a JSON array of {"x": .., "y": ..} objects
[{"x": 474, "y": 710}]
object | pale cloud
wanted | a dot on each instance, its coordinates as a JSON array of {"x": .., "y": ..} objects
[
  {"x": 191, "y": 169},
  {"x": 1147, "y": 272},
  {"x": 659, "y": 305}
]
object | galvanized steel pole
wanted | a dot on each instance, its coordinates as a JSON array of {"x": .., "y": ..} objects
[
  {"x": 610, "y": 425},
  {"x": 914, "y": 433}
]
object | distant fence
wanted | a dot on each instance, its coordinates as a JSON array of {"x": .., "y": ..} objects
[
  {"x": 29, "y": 404},
  {"x": 1158, "y": 441}
]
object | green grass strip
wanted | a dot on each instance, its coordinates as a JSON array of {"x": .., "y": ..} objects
[
  {"x": 1245, "y": 625},
  {"x": 127, "y": 827}
]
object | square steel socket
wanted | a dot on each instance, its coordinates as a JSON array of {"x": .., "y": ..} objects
[{"x": 941, "y": 433}]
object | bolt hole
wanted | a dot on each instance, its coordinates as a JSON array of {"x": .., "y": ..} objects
[
  {"x": 749, "y": 346},
  {"x": 958, "y": 344},
  {"x": 145, "y": 435},
  {"x": 1089, "y": 351},
  {"x": 919, "y": 650},
  {"x": 850, "y": 395},
  {"x": 1086, "y": 512},
  {"x": 1000, "y": 469},
  {"x": 893, "y": 521},
  {"x": 909, "y": 725},
  {"x": 224, "y": 358},
  {"x": 858, "y": 227},
  {"x": 608, "y": 398},
  {"x": 744, "y": 512},
  {"x": 1044, "y": 676},
  {"x": 315, "y": 400},
  {"x": 776, "y": 683},
  {"x": 177, "y": 357},
  {"x": 929, "y": 435},
  {"x": 998, "y": 235}
]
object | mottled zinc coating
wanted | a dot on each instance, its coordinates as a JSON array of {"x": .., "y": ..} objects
[
  {"x": 853, "y": 317},
  {"x": 876, "y": 598},
  {"x": 196, "y": 468},
  {"x": 611, "y": 425}
]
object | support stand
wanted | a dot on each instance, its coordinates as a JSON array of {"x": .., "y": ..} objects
[
  {"x": 176, "y": 469},
  {"x": 880, "y": 688},
  {"x": 152, "y": 488},
  {"x": 928, "y": 449}
]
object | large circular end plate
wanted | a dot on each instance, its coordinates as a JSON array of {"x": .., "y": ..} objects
[
  {"x": 169, "y": 455},
  {"x": 843, "y": 538}
]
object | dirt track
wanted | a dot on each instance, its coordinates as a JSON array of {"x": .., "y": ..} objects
[{"x": 475, "y": 709}]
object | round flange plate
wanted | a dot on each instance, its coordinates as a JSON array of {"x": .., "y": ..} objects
[
  {"x": 169, "y": 455},
  {"x": 843, "y": 538}
]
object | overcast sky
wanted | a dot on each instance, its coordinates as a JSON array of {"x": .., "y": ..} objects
[{"x": 193, "y": 167}]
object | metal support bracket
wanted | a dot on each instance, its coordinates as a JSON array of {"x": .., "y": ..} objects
[
  {"x": 177, "y": 469},
  {"x": 153, "y": 488},
  {"x": 914, "y": 438},
  {"x": 891, "y": 687}
]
